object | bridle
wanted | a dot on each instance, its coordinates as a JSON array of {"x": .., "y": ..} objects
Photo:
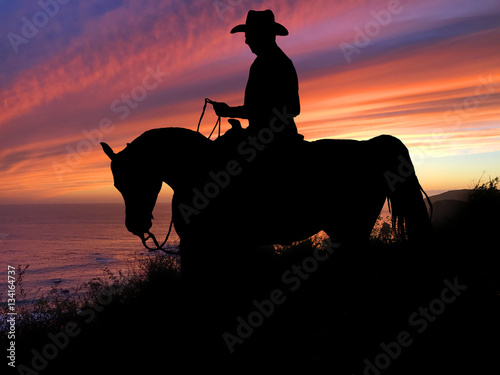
[{"x": 150, "y": 235}]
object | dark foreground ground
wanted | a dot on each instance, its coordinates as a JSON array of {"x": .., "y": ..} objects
[{"x": 388, "y": 308}]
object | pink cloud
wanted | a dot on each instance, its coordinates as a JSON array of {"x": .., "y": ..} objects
[{"x": 393, "y": 87}]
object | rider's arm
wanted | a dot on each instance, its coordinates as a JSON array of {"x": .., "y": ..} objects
[
  {"x": 238, "y": 112},
  {"x": 223, "y": 110}
]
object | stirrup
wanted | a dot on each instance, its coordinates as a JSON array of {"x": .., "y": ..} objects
[{"x": 235, "y": 124}]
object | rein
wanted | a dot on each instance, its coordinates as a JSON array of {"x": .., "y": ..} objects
[
  {"x": 217, "y": 123},
  {"x": 150, "y": 235},
  {"x": 157, "y": 244}
]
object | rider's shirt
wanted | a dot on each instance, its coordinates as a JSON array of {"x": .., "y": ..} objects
[{"x": 272, "y": 83}]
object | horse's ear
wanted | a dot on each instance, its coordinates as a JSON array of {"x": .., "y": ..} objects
[{"x": 108, "y": 150}]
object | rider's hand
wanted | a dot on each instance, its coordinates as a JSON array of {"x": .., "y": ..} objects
[{"x": 221, "y": 109}]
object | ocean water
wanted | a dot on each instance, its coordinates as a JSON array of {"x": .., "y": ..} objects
[{"x": 68, "y": 244}]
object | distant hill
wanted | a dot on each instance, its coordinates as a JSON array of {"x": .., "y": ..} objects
[
  {"x": 455, "y": 195},
  {"x": 449, "y": 207},
  {"x": 451, "y": 199}
]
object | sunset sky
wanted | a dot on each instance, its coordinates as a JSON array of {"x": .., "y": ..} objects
[{"x": 425, "y": 71}]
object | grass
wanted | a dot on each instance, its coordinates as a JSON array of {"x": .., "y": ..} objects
[{"x": 340, "y": 314}]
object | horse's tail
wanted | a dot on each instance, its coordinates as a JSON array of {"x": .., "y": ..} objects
[{"x": 410, "y": 217}]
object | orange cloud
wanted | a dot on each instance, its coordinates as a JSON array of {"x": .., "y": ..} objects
[{"x": 421, "y": 79}]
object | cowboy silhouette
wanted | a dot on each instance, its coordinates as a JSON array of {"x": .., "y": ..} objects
[{"x": 272, "y": 83}]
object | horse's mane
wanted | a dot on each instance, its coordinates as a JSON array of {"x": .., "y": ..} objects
[
  {"x": 180, "y": 139},
  {"x": 170, "y": 134}
]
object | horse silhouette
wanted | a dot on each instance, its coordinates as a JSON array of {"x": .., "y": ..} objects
[{"x": 226, "y": 199}]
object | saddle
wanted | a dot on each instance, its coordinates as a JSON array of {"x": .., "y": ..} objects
[
  {"x": 265, "y": 154},
  {"x": 262, "y": 138}
]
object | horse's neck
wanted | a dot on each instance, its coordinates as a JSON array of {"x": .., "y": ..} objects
[{"x": 179, "y": 155}]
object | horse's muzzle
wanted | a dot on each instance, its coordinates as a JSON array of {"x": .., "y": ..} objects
[{"x": 137, "y": 228}]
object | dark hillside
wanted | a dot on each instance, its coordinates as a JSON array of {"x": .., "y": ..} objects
[{"x": 387, "y": 308}]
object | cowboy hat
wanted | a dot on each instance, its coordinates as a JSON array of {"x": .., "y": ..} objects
[{"x": 261, "y": 22}]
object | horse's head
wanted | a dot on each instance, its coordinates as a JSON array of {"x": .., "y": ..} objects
[{"x": 135, "y": 179}]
